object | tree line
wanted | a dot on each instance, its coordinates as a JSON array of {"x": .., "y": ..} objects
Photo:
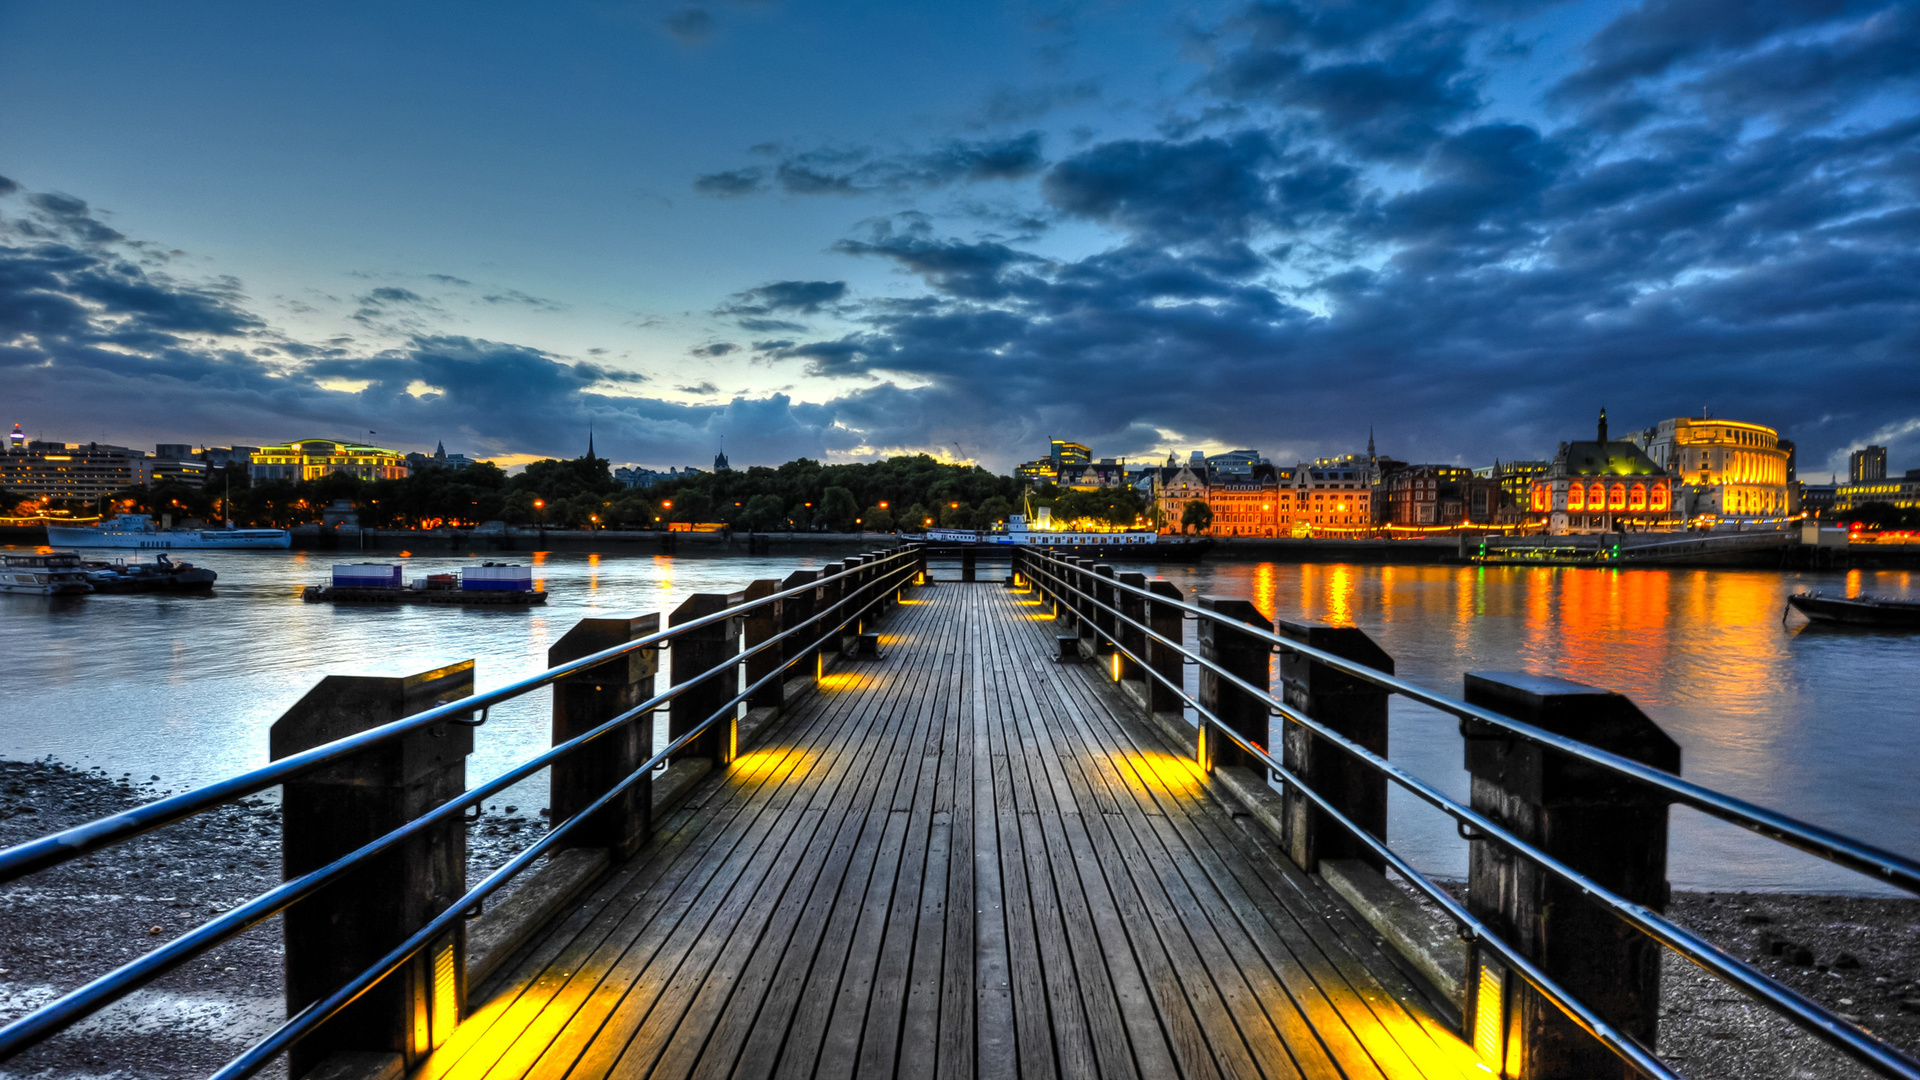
[{"x": 904, "y": 493}]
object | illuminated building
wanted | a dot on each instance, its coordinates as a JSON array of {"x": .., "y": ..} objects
[
  {"x": 1726, "y": 469},
  {"x": 1065, "y": 453},
  {"x": 1903, "y": 492},
  {"x": 1336, "y": 495},
  {"x": 311, "y": 459},
  {"x": 1869, "y": 463},
  {"x": 1605, "y": 486},
  {"x": 80, "y": 471},
  {"x": 1439, "y": 495},
  {"x": 16, "y": 442}
]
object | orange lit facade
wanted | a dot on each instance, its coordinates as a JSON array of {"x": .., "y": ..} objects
[
  {"x": 1250, "y": 504},
  {"x": 1336, "y": 497},
  {"x": 1605, "y": 486},
  {"x": 1726, "y": 469}
]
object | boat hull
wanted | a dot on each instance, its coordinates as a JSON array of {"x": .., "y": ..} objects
[
  {"x": 1883, "y": 613},
  {"x": 343, "y": 594},
  {"x": 170, "y": 540}
]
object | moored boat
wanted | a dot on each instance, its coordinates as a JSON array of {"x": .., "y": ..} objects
[
  {"x": 161, "y": 575},
  {"x": 1858, "y": 610},
  {"x": 139, "y": 531},
  {"x": 1138, "y": 543},
  {"x": 44, "y": 573}
]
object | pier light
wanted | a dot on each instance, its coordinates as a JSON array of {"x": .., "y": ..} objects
[
  {"x": 539, "y": 504},
  {"x": 883, "y": 504},
  {"x": 666, "y": 504}
]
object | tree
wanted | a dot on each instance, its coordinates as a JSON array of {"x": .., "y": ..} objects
[
  {"x": 996, "y": 509},
  {"x": 837, "y": 509},
  {"x": 764, "y": 512},
  {"x": 877, "y": 520},
  {"x": 1197, "y": 517},
  {"x": 916, "y": 518}
]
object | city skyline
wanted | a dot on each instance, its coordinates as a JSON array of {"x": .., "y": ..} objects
[{"x": 963, "y": 229}]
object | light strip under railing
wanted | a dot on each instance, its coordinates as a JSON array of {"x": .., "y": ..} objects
[
  {"x": 56, "y": 848},
  {"x": 1878, "y": 863},
  {"x": 1805, "y": 1012},
  {"x": 290, "y": 1032},
  {"x": 57, "y": 1015}
]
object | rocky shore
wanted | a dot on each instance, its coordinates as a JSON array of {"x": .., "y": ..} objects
[
  {"x": 1859, "y": 956},
  {"x": 68, "y": 925}
]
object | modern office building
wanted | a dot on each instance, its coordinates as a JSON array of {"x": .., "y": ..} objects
[
  {"x": 1900, "y": 491},
  {"x": 1868, "y": 463},
  {"x": 82, "y": 472},
  {"x": 311, "y": 459}
]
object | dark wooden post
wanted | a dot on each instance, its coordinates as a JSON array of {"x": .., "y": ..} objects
[
  {"x": 1104, "y": 624},
  {"x": 1134, "y": 607},
  {"x": 1248, "y": 658},
  {"x": 798, "y": 650},
  {"x": 692, "y": 653},
  {"x": 335, "y": 934},
  {"x": 1166, "y": 622},
  {"x": 1607, "y": 828},
  {"x": 832, "y": 593},
  {"x": 1356, "y": 709},
  {"x": 584, "y": 701},
  {"x": 969, "y": 564},
  {"x": 761, "y": 624},
  {"x": 1082, "y": 578}
]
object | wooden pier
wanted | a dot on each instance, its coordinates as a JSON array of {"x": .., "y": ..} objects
[{"x": 961, "y": 859}]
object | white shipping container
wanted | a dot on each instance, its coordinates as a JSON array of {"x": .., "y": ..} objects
[
  {"x": 367, "y": 576},
  {"x": 499, "y": 578}
]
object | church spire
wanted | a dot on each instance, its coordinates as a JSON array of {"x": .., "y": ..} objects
[
  {"x": 589, "y": 440},
  {"x": 1370, "y": 454},
  {"x": 1603, "y": 425}
]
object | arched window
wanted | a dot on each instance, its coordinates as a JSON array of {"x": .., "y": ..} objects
[
  {"x": 1637, "y": 497},
  {"x": 1577, "y": 497},
  {"x": 1659, "y": 498},
  {"x": 1540, "y": 495},
  {"x": 1597, "y": 497},
  {"x": 1617, "y": 497}
]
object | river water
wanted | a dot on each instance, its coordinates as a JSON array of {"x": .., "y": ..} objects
[{"x": 1821, "y": 724}]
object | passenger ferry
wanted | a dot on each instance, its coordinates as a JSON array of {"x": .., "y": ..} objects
[
  {"x": 43, "y": 574},
  {"x": 1144, "y": 543},
  {"x": 139, "y": 531}
]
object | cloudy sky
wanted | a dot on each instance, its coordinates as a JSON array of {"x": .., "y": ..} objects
[{"x": 835, "y": 229}]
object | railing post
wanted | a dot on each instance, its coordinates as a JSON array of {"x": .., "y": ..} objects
[
  {"x": 832, "y": 593},
  {"x": 692, "y": 653},
  {"x": 1134, "y": 607},
  {"x": 1102, "y": 603},
  {"x": 1356, "y": 709},
  {"x": 335, "y": 934},
  {"x": 969, "y": 564},
  {"x": 1244, "y": 656},
  {"x": 1166, "y": 623},
  {"x": 761, "y": 624},
  {"x": 797, "y": 651},
  {"x": 587, "y": 699},
  {"x": 1081, "y": 577},
  {"x": 1603, "y": 826}
]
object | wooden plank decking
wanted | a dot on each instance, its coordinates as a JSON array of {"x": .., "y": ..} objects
[{"x": 961, "y": 860}]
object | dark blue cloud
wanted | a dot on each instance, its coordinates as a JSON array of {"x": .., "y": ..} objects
[{"x": 861, "y": 171}]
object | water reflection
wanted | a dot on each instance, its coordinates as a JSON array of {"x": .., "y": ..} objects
[{"x": 1788, "y": 716}]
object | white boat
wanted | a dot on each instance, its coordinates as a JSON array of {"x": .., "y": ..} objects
[
  {"x": 139, "y": 531},
  {"x": 1016, "y": 534},
  {"x": 43, "y": 574}
]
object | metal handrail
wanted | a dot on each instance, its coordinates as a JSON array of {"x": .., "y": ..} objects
[
  {"x": 1805, "y": 1012},
  {"x": 74, "y": 1006},
  {"x": 1888, "y": 866},
  {"x": 56, "y": 848}
]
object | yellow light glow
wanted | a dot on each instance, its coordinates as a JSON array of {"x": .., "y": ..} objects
[
  {"x": 1040, "y": 616},
  {"x": 758, "y": 765},
  {"x": 841, "y": 680},
  {"x": 1116, "y": 667}
]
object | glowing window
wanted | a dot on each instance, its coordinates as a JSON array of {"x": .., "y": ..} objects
[
  {"x": 1637, "y": 497},
  {"x": 1577, "y": 497},
  {"x": 1617, "y": 498}
]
